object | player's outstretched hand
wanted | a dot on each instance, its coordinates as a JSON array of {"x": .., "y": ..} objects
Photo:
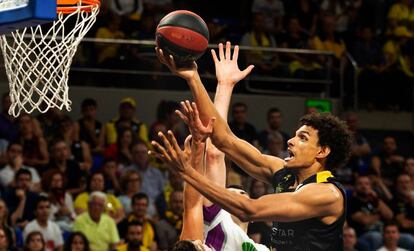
[
  {"x": 168, "y": 60},
  {"x": 191, "y": 117},
  {"x": 170, "y": 152},
  {"x": 227, "y": 69}
]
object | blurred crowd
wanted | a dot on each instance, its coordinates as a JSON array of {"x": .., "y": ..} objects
[
  {"x": 86, "y": 184},
  {"x": 378, "y": 34}
]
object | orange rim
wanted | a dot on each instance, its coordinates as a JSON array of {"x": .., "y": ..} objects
[{"x": 70, "y": 6}]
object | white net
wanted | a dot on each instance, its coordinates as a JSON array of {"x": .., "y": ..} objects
[{"x": 38, "y": 59}]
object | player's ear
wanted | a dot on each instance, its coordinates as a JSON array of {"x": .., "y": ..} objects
[{"x": 323, "y": 152}]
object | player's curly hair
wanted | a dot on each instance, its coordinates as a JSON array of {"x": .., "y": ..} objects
[
  {"x": 184, "y": 245},
  {"x": 334, "y": 133}
]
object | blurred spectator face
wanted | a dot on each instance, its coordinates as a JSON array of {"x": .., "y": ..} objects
[
  {"x": 25, "y": 124},
  {"x": 140, "y": 155},
  {"x": 258, "y": 189},
  {"x": 363, "y": 185},
  {"x": 329, "y": 24},
  {"x": 15, "y": 150},
  {"x": 24, "y": 181},
  {"x": 66, "y": 125},
  {"x": 239, "y": 114},
  {"x": 409, "y": 166},
  {"x": 349, "y": 238},
  {"x": 57, "y": 181},
  {"x": 77, "y": 243},
  {"x": 139, "y": 207},
  {"x": 6, "y": 103},
  {"x": 126, "y": 138},
  {"x": 97, "y": 182},
  {"x": 258, "y": 23},
  {"x": 89, "y": 112},
  {"x": 274, "y": 120},
  {"x": 134, "y": 183},
  {"x": 43, "y": 211},
  {"x": 403, "y": 183},
  {"x": 96, "y": 207},
  {"x": 352, "y": 122},
  {"x": 176, "y": 202},
  {"x": 274, "y": 145},
  {"x": 176, "y": 181},
  {"x": 3, "y": 209},
  {"x": 134, "y": 236},
  {"x": 35, "y": 243},
  {"x": 60, "y": 151},
  {"x": 3, "y": 240},
  {"x": 366, "y": 34},
  {"x": 126, "y": 111},
  {"x": 294, "y": 26},
  {"x": 391, "y": 235},
  {"x": 110, "y": 167},
  {"x": 390, "y": 146}
]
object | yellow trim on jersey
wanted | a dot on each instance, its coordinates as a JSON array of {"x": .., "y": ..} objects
[{"x": 323, "y": 176}]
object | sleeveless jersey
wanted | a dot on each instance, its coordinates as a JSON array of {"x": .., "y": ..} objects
[
  {"x": 310, "y": 234},
  {"x": 222, "y": 234}
]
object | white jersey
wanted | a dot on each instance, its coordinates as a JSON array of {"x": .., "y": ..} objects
[{"x": 222, "y": 234}]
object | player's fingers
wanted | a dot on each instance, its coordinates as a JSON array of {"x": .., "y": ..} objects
[
  {"x": 184, "y": 107},
  {"x": 173, "y": 141},
  {"x": 195, "y": 110},
  {"x": 211, "y": 124},
  {"x": 235, "y": 53},
  {"x": 187, "y": 143},
  {"x": 167, "y": 145},
  {"x": 190, "y": 110},
  {"x": 221, "y": 52},
  {"x": 214, "y": 55},
  {"x": 157, "y": 155},
  {"x": 247, "y": 70},
  {"x": 161, "y": 150},
  {"x": 172, "y": 62},
  {"x": 228, "y": 50},
  {"x": 182, "y": 116}
]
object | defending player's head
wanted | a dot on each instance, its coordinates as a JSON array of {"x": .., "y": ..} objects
[
  {"x": 322, "y": 139},
  {"x": 187, "y": 245}
]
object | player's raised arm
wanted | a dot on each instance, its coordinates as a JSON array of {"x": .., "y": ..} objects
[{"x": 245, "y": 155}]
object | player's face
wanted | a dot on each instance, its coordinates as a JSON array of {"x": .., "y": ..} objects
[{"x": 303, "y": 148}]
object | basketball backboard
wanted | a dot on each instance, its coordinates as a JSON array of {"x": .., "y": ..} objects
[{"x": 17, "y": 14}]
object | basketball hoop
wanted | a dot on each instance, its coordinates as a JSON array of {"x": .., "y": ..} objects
[{"x": 37, "y": 60}]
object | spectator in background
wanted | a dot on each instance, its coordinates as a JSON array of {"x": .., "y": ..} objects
[
  {"x": 97, "y": 184},
  {"x": 108, "y": 54},
  {"x": 275, "y": 145},
  {"x": 409, "y": 168},
  {"x": 131, "y": 184},
  {"x": 35, "y": 152},
  {"x": 9, "y": 129},
  {"x": 175, "y": 182},
  {"x": 388, "y": 162},
  {"x": 91, "y": 130},
  {"x": 127, "y": 11},
  {"x": 121, "y": 150},
  {"x": 98, "y": 227},
  {"x": 403, "y": 208},
  {"x": 62, "y": 211},
  {"x": 366, "y": 212},
  {"x": 350, "y": 239},
  {"x": 50, "y": 230},
  {"x": 391, "y": 235},
  {"x": 339, "y": 10},
  {"x": 274, "y": 124},
  {"x": 80, "y": 151},
  {"x": 77, "y": 242},
  {"x": 34, "y": 242},
  {"x": 6, "y": 244},
  {"x": 139, "y": 205},
  {"x": 14, "y": 157},
  {"x": 265, "y": 62},
  {"x": 159, "y": 7},
  {"x": 401, "y": 14},
  {"x": 307, "y": 13},
  {"x": 152, "y": 179},
  {"x": 8, "y": 231},
  {"x": 273, "y": 11},
  {"x": 47, "y": 122},
  {"x": 126, "y": 119},
  {"x": 133, "y": 238},
  {"x": 20, "y": 200},
  {"x": 169, "y": 228},
  {"x": 111, "y": 172},
  {"x": 60, "y": 160}
]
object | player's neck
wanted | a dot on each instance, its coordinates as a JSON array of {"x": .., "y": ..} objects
[{"x": 305, "y": 173}]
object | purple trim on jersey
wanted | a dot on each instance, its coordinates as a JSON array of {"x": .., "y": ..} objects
[
  {"x": 210, "y": 212},
  {"x": 215, "y": 238}
]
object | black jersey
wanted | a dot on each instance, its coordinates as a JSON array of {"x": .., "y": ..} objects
[{"x": 310, "y": 234}]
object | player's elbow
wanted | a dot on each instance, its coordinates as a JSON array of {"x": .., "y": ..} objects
[{"x": 248, "y": 211}]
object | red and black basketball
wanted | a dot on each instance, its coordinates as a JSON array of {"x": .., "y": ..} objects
[{"x": 182, "y": 34}]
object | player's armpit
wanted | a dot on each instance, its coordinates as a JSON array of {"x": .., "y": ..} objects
[{"x": 321, "y": 200}]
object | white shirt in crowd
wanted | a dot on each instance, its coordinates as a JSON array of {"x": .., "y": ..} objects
[{"x": 51, "y": 233}]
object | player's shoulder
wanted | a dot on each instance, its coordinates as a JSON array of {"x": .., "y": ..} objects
[{"x": 326, "y": 191}]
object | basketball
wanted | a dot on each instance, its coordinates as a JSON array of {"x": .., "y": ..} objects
[{"x": 182, "y": 34}]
